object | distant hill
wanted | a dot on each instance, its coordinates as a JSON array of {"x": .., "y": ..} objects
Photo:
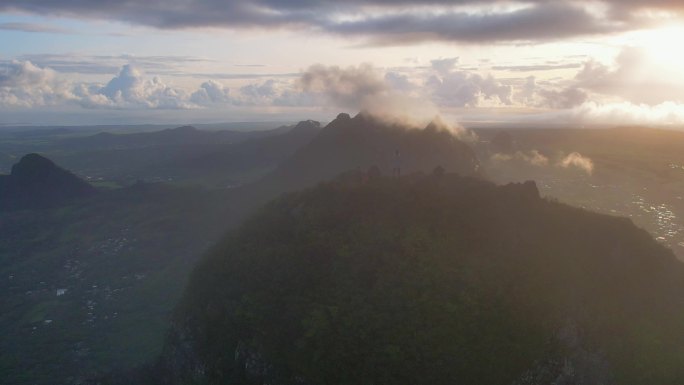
[
  {"x": 430, "y": 280},
  {"x": 253, "y": 156},
  {"x": 180, "y": 155},
  {"x": 36, "y": 182}
]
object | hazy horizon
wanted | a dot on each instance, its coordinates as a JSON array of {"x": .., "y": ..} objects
[{"x": 566, "y": 63}]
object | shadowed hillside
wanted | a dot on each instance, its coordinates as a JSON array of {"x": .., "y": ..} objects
[
  {"x": 426, "y": 280},
  {"x": 36, "y": 182}
]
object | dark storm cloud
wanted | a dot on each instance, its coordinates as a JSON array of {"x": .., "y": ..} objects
[
  {"x": 544, "y": 22},
  {"x": 381, "y": 21}
]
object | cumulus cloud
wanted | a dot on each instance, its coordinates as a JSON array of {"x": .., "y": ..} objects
[
  {"x": 417, "y": 93},
  {"x": 210, "y": 92},
  {"x": 549, "y": 95},
  {"x": 396, "y": 22},
  {"x": 562, "y": 99},
  {"x": 350, "y": 87},
  {"x": 129, "y": 89},
  {"x": 365, "y": 88},
  {"x": 400, "y": 82},
  {"x": 444, "y": 66},
  {"x": 532, "y": 157},
  {"x": 454, "y": 88},
  {"x": 620, "y": 113},
  {"x": 576, "y": 160},
  {"x": 634, "y": 76},
  {"x": 23, "y": 84}
]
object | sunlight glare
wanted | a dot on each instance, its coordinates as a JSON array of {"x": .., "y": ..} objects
[{"x": 661, "y": 47}]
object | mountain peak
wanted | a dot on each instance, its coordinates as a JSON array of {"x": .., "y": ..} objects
[
  {"x": 343, "y": 116},
  {"x": 37, "y": 182},
  {"x": 364, "y": 141},
  {"x": 306, "y": 126},
  {"x": 33, "y": 165}
]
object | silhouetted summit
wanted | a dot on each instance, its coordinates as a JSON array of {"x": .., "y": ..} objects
[
  {"x": 36, "y": 182},
  {"x": 306, "y": 126},
  {"x": 343, "y": 116},
  {"x": 365, "y": 141}
]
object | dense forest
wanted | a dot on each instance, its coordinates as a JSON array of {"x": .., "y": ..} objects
[{"x": 428, "y": 279}]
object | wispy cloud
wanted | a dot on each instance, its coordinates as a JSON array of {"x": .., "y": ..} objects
[
  {"x": 108, "y": 64},
  {"x": 537, "y": 67},
  {"x": 33, "y": 27}
]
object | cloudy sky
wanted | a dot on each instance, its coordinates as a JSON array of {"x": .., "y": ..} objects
[{"x": 561, "y": 62}]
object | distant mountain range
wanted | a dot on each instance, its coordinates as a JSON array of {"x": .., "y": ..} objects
[
  {"x": 256, "y": 155},
  {"x": 365, "y": 142},
  {"x": 184, "y": 135}
]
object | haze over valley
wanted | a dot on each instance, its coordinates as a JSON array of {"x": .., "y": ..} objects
[{"x": 368, "y": 192}]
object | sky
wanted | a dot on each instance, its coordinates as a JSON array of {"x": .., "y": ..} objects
[{"x": 548, "y": 62}]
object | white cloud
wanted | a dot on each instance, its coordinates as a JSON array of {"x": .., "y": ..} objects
[
  {"x": 634, "y": 77},
  {"x": 621, "y": 113},
  {"x": 129, "y": 89},
  {"x": 211, "y": 92},
  {"x": 532, "y": 157},
  {"x": 444, "y": 66},
  {"x": 417, "y": 93},
  {"x": 453, "y": 88},
  {"x": 349, "y": 87},
  {"x": 23, "y": 84},
  {"x": 576, "y": 160},
  {"x": 549, "y": 95},
  {"x": 365, "y": 88}
]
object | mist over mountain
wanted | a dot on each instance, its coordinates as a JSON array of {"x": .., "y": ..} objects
[
  {"x": 365, "y": 142},
  {"x": 371, "y": 279},
  {"x": 36, "y": 182}
]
